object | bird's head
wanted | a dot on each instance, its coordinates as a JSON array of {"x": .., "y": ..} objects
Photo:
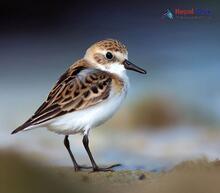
[{"x": 112, "y": 56}]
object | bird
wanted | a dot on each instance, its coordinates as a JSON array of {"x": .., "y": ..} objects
[{"x": 90, "y": 91}]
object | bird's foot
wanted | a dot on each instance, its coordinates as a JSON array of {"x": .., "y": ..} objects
[
  {"x": 82, "y": 167},
  {"x": 105, "y": 169}
]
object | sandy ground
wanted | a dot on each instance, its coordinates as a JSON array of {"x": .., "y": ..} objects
[{"x": 18, "y": 175}]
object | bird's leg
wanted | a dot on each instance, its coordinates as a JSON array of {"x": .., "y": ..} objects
[
  {"x": 76, "y": 166},
  {"x": 94, "y": 165}
]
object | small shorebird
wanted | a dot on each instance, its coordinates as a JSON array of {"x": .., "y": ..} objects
[{"x": 86, "y": 95}]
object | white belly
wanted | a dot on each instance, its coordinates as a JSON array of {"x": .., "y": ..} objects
[{"x": 83, "y": 120}]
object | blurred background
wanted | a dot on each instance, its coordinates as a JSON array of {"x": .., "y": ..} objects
[{"x": 170, "y": 115}]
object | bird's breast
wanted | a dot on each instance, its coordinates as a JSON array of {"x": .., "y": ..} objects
[{"x": 120, "y": 84}]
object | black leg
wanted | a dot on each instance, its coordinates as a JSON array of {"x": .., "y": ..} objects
[
  {"x": 94, "y": 165},
  {"x": 86, "y": 145},
  {"x": 76, "y": 166}
]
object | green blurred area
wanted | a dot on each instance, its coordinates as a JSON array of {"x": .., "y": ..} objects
[{"x": 21, "y": 175}]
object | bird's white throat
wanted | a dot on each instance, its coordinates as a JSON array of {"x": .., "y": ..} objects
[{"x": 115, "y": 68}]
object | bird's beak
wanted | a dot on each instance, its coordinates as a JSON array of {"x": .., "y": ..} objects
[{"x": 130, "y": 66}]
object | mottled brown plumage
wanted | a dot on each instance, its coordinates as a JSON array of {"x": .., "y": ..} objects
[
  {"x": 86, "y": 83},
  {"x": 80, "y": 87}
]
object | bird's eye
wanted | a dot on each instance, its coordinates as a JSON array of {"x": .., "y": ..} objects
[{"x": 109, "y": 55}]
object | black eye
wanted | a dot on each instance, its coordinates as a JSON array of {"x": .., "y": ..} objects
[{"x": 109, "y": 55}]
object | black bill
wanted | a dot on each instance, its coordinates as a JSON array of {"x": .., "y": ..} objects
[{"x": 130, "y": 66}]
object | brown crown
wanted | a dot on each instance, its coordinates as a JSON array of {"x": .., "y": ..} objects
[{"x": 112, "y": 45}]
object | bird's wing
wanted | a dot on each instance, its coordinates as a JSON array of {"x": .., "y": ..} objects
[{"x": 78, "y": 88}]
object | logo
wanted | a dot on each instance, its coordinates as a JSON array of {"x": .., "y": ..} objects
[
  {"x": 168, "y": 14},
  {"x": 192, "y": 13}
]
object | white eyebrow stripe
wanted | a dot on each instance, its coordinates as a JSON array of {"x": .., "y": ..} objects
[{"x": 121, "y": 56}]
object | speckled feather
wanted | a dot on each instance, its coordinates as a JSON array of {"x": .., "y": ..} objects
[{"x": 82, "y": 86}]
